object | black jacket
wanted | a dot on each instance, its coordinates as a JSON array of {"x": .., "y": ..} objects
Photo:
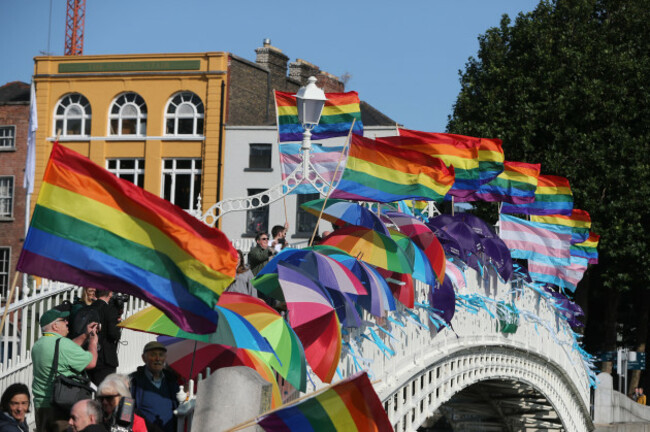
[{"x": 109, "y": 335}]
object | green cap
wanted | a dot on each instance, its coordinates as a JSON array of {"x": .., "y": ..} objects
[
  {"x": 52, "y": 315},
  {"x": 154, "y": 345}
]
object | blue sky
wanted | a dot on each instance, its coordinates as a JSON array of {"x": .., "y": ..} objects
[{"x": 403, "y": 57}]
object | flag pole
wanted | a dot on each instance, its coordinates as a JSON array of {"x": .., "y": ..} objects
[
  {"x": 277, "y": 122},
  {"x": 329, "y": 190}
]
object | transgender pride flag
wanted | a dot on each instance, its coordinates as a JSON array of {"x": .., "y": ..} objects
[
  {"x": 544, "y": 243},
  {"x": 324, "y": 160}
]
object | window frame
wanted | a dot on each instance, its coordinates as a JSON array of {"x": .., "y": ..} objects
[
  {"x": 174, "y": 172},
  {"x": 65, "y": 117},
  {"x": 140, "y": 118},
  {"x": 11, "y": 138},
  {"x": 264, "y": 210},
  {"x": 138, "y": 172},
  {"x": 199, "y": 114},
  {"x": 269, "y": 165},
  {"x": 10, "y": 197},
  {"x": 5, "y": 272},
  {"x": 302, "y": 213}
]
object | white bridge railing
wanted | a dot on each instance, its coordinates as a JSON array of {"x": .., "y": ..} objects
[{"x": 424, "y": 370}]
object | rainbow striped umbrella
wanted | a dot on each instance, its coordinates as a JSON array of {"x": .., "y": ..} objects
[
  {"x": 190, "y": 358},
  {"x": 342, "y": 285},
  {"x": 290, "y": 361},
  {"x": 232, "y": 329},
  {"x": 422, "y": 270},
  {"x": 380, "y": 298},
  {"x": 370, "y": 246},
  {"x": 341, "y": 212},
  {"x": 313, "y": 319}
]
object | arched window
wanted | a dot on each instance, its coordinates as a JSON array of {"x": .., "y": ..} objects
[
  {"x": 72, "y": 115},
  {"x": 128, "y": 115},
  {"x": 184, "y": 115}
]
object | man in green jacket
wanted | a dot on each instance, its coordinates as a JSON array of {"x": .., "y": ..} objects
[{"x": 260, "y": 254}]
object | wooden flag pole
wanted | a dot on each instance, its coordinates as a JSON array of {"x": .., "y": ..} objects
[
  {"x": 329, "y": 190},
  {"x": 8, "y": 302},
  {"x": 253, "y": 421},
  {"x": 277, "y": 122}
]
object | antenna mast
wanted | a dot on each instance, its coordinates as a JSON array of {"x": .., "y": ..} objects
[{"x": 74, "y": 27}]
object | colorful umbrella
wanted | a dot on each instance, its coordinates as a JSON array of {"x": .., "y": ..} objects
[
  {"x": 370, "y": 246},
  {"x": 429, "y": 243},
  {"x": 379, "y": 299},
  {"x": 341, "y": 212},
  {"x": 401, "y": 284},
  {"x": 189, "y": 358},
  {"x": 313, "y": 319},
  {"x": 276, "y": 330},
  {"x": 409, "y": 225},
  {"x": 342, "y": 285},
  {"x": 422, "y": 270},
  {"x": 232, "y": 329}
]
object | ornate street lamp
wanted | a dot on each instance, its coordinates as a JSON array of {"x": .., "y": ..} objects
[{"x": 310, "y": 101}]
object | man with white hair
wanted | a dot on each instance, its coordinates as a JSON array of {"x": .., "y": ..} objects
[
  {"x": 86, "y": 416},
  {"x": 73, "y": 360}
]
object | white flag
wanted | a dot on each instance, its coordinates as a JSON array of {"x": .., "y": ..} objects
[{"x": 30, "y": 161}]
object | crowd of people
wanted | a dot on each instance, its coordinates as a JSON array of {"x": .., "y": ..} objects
[{"x": 81, "y": 339}]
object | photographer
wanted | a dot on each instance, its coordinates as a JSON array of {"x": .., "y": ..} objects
[
  {"x": 109, "y": 335},
  {"x": 109, "y": 393}
]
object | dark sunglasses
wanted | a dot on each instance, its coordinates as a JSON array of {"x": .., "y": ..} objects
[{"x": 107, "y": 396}]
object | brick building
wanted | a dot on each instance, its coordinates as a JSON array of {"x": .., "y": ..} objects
[
  {"x": 181, "y": 125},
  {"x": 252, "y": 151},
  {"x": 14, "y": 122}
]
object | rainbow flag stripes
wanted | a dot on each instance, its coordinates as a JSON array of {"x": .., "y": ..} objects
[
  {"x": 340, "y": 110},
  {"x": 552, "y": 196},
  {"x": 458, "y": 151},
  {"x": 350, "y": 405},
  {"x": 579, "y": 221},
  {"x": 516, "y": 184},
  {"x": 490, "y": 159},
  {"x": 380, "y": 172},
  {"x": 587, "y": 249},
  {"x": 90, "y": 228}
]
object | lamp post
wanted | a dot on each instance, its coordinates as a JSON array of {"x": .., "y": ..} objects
[{"x": 310, "y": 101}]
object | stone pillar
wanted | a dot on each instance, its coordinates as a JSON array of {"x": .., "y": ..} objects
[
  {"x": 272, "y": 58},
  {"x": 229, "y": 397},
  {"x": 603, "y": 403}
]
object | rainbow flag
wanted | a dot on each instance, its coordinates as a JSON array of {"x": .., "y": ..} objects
[
  {"x": 351, "y": 405},
  {"x": 340, "y": 110},
  {"x": 545, "y": 243},
  {"x": 552, "y": 196},
  {"x": 490, "y": 159},
  {"x": 516, "y": 184},
  {"x": 587, "y": 249},
  {"x": 579, "y": 221},
  {"x": 90, "y": 228},
  {"x": 323, "y": 159},
  {"x": 380, "y": 172},
  {"x": 458, "y": 151}
]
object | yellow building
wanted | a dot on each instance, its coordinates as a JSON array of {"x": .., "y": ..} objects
[{"x": 155, "y": 119}]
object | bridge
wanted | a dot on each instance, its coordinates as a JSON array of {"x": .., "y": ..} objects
[{"x": 466, "y": 376}]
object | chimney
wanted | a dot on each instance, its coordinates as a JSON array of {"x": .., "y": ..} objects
[{"x": 272, "y": 58}]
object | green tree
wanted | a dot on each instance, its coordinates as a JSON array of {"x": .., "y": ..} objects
[{"x": 567, "y": 86}]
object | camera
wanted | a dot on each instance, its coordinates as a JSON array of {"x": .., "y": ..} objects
[
  {"x": 117, "y": 301},
  {"x": 123, "y": 416}
]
